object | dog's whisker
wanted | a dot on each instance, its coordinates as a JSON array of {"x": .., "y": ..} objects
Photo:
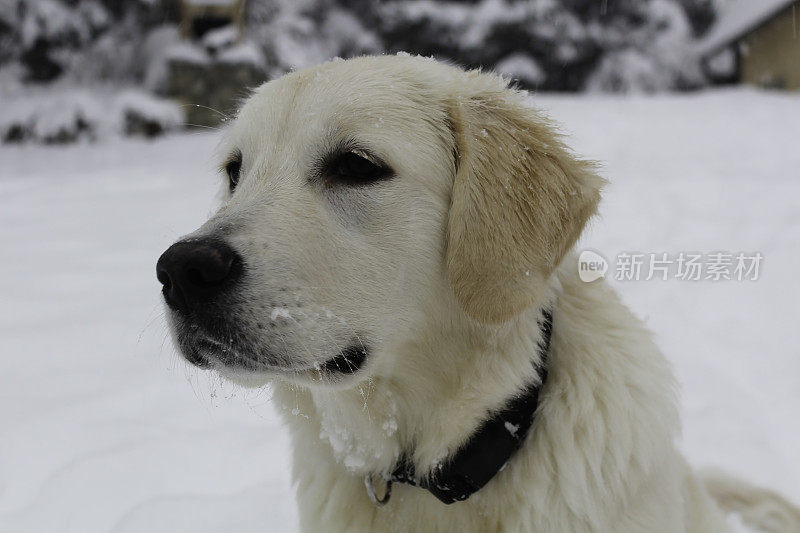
[
  {"x": 310, "y": 354},
  {"x": 217, "y": 111},
  {"x": 201, "y": 126},
  {"x": 164, "y": 338},
  {"x": 150, "y": 323}
]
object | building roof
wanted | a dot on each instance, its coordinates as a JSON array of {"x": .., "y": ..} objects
[{"x": 737, "y": 19}]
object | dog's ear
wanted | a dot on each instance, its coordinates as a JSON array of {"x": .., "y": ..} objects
[{"x": 520, "y": 200}]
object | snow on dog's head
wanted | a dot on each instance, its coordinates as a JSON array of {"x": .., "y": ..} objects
[{"x": 371, "y": 203}]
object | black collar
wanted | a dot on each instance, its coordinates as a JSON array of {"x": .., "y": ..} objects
[{"x": 488, "y": 449}]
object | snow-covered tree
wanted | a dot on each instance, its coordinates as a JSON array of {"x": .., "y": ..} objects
[
  {"x": 547, "y": 44},
  {"x": 572, "y": 43}
]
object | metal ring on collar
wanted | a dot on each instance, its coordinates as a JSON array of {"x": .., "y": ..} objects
[{"x": 373, "y": 495}]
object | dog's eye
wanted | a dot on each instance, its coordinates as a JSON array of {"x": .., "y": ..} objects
[
  {"x": 357, "y": 168},
  {"x": 233, "y": 168}
]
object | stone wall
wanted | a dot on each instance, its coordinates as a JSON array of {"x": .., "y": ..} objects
[{"x": 211, "y": 87}]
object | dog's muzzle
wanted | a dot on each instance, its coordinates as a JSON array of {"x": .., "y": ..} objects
[{"x": 195, "y": 274}]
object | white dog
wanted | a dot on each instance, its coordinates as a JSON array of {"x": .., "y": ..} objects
[{"x": 392, "y": 254}]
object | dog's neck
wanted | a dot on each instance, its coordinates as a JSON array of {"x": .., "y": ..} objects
[
  {"x": 440, "y": 389},
  {"x": 489, "y": 447}
]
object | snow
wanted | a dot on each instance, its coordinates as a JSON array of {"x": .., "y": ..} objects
[
  {"x": 352, "y": 454},
  {"x": 68, "y": 113},
  {"x": 628, "y": 71},
  {"x": 220, "y": 38},
  {"x": 661, "y": 59},
  {"x": 49, "y": 19},
  {"x": 211, "y": 2},
  {"x": 186, "y": 52},
  {"x": 735, "y": 19},
  {"x": 163, "y": 111},
  {"x": 521, "y": 67},
  {"x": 346, "y": 31},
  {"x": 723, "y": 63},
  {"x": 105, "y": 429},
  {"x": 281, "y": 312},
  {"x": 154, "y": 52},
  {"x": 246, "y": 52},
  {"x": 472, "y": 24}
]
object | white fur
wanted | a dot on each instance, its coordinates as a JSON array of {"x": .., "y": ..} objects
[{"x": 327, "y": 265}]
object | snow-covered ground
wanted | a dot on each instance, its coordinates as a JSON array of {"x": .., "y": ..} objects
[{"x": 104, "y": 429}]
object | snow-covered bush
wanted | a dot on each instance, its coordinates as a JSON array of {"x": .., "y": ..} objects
[
  {"x": 297, "y": 33},
  {"x": 70, "y": 115},
  {"x": 45, "y": 31},
  {"x": 242, "y": 53},
  {"x": 568, "y": 41},
  {"x": 157, "y": 46},
  {"x": 113, "y": 55},
  {"x": 141, "y": 114},
  {"x": 548, "y": 44},
  {"x": 523, "y": 68},
  {"x": 219, "y": 39},
  {"x": 654, "y": 55},
  {"x": 627, "y": 70},
  {"x": 83, "y": 40},
  {"x": 46, "y": 118}
]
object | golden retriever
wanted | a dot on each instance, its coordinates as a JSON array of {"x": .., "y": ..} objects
[{"x": 392, "y": 254}]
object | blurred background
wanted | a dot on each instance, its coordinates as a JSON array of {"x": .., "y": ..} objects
[
  {"x": 207, "y": 53},
  {"x": 110, "y": 115}
]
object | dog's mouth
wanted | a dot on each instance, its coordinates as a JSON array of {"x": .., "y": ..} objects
[
  {"x": 203, "y": 351},
  {"x": 349, "y": 361}
]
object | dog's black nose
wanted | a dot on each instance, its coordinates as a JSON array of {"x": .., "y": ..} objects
[{"x": 195, "y": 270}]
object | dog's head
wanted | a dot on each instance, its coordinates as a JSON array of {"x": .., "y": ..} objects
[{"x": 368, "y": 201}]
